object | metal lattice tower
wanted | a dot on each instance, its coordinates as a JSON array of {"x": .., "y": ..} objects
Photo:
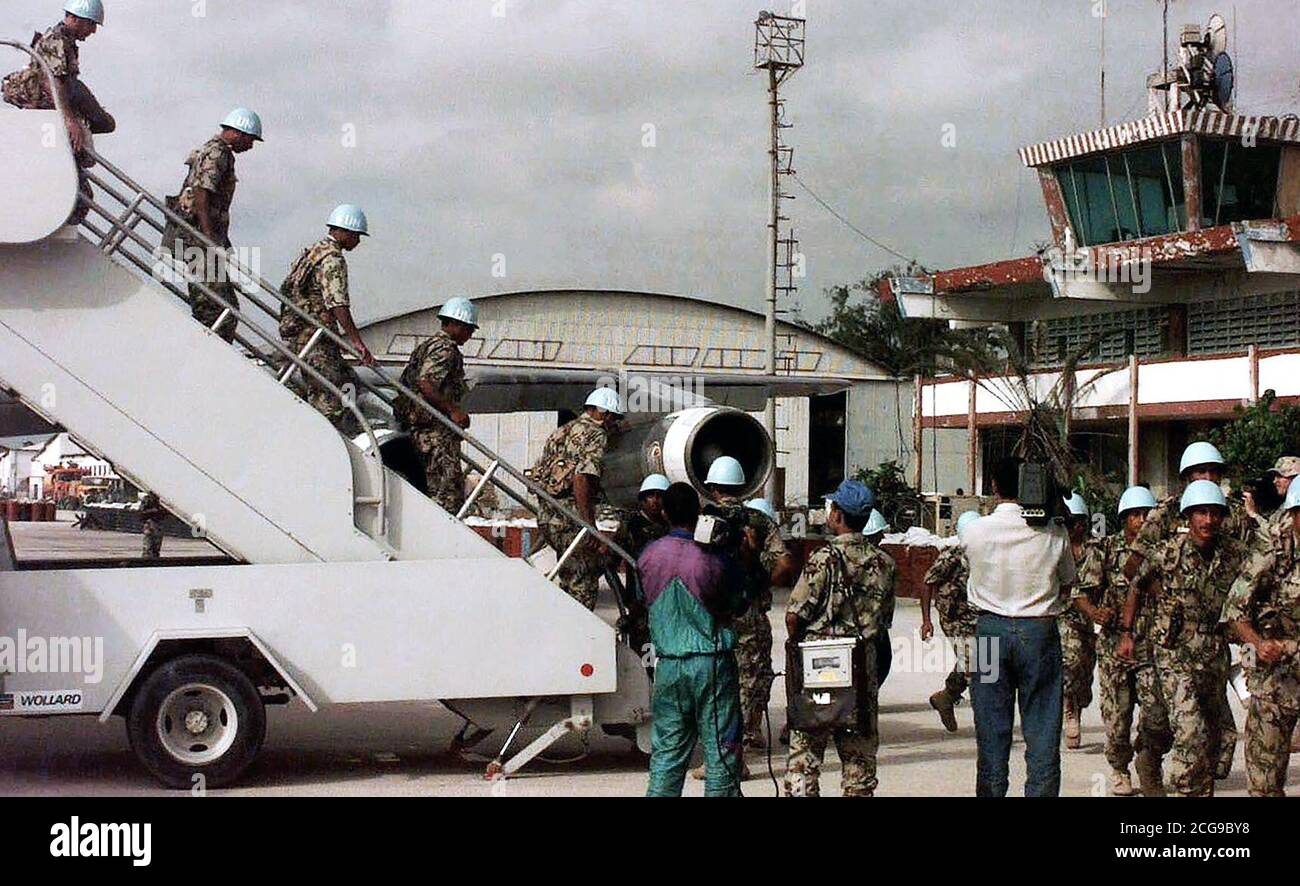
[{"x": 779, "y": 50}]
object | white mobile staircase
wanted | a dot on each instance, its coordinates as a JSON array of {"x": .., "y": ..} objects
[{"x": 96, "y": 337}]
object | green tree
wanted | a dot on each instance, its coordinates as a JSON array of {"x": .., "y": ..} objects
[{"x": 1258, "y": 436}]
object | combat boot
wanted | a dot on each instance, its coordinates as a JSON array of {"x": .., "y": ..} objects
[
  {"x": 1151, "y": 779},
  {"x": 1121, "y": 784},
  {"x": 944, "y": 703},
  {"x": 1072, "y": 729},
  {"x": 745, "y": 775}
]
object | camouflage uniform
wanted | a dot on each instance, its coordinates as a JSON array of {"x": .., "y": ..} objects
[
  {"x": 754, "y": 629},
  {"x": 1191, "y": 655},
  {"x": 636, "y": 530},
  {"x": 317, "y": 284},
  {"x": 1165, "y": 522},
  {"x": 212, "y": 168},
  {"x": 29, "y": 89},
  {"x": 437, "y": 361},
  {"x": 151, "y": 515},
  {"x": 575, "y": 448},
  {"x": 846, "y": 590},
  {"x": 1123, "y": 684},
  {"x": 1268, "y": 595},
  {"x": 1078, "y": 641},
  {"x": 949, "y": 575}
]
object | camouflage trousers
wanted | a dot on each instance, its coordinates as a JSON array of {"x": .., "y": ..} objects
[
  {"x": 1123, "y": 686},
  {"x": 1268, "y": 746},
  {"x": 857, "y": 750},
  {"x": 580, "y": 575},
  {"x": 1196, "y": 698},
  {"x": 326, "y": 359},
  {"x": 153, "y": 539},
  {"x": 754, "y": 662},
  {"x": 960, "y": 630},
  {"x": 206, "y": 310},
  {"x": 1078, "y": 658},
  {"x": 444, "y": 477}
]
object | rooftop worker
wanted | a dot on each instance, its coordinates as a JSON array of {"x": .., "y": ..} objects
[
  {"x": 1078, "y": 640},
  {"x": 754, "y": 541},
  {"x": 846, "y": 590},
  {"x": 1263, "y": 611},
  {"x": 1017, "y": 573},
  {"x": 569, "y": 469},
  {"x": 648, "y": 522},
  {"x": 691, "y": 596},
  {"x": 1185, "y": 581},
  {"x": 1200, "y": 461},
  {"x": 436, "y": 371},
  {"x": 945, "y": 582},
  {"x": 318, "y": 285},
  {"x": 1123, "y": 684},
  {"x": 30, "y": 88},
  {"x": 204, "y": 203}
]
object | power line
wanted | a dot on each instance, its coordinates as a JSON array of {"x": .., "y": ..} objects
[{"x": 850, "y": 225}]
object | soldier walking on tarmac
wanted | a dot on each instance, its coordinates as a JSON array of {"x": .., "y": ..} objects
[
  {"x": 1099, "y": 592},
  {"x": 945, "y": 583},
  {"x": 1263, "y": 611},
  {"x": 1165, "y": 522}
]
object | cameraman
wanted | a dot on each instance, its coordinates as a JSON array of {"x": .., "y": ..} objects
[
  {"x": 1017, "y": 572},
  {"x": 692, "y": 594}
]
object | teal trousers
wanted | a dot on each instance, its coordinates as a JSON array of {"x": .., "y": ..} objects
[{"x": 695, "y": 699}]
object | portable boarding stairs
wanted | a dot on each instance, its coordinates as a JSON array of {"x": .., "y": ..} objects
[{"x": 96, "y": 337}]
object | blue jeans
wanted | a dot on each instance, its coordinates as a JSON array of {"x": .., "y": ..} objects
[{"x": 1027, "y": 652}]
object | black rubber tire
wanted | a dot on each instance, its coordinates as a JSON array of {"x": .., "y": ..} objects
[{"x": 206, "y": 670}]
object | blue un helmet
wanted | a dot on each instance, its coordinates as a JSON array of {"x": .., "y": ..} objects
[
  {"x": 853, "y": 497},
  {"x": 1292, "y": 497},
  {"x": 965, "y": 520},
  {"x": 349, "y": 218},
  {"x": 605, "y": 399},
  {"x": 1136, "y": 498},
  {"x": 653, "y": 483},
  {"x": 1199, "y": 453},
  {"x": 876, "y": 523},
  {"x": 1076, "y": 506},
  {"x": 245, "y": 121},
  {"x": 726, "y": 471},
  {"x": 462, "y": 310},
  {"x": 91, "y": 10},
  {"x": 1202, "y": 492},
  {"x": 763, "y": 507}
]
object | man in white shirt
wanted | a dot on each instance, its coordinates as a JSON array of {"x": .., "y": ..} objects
[{"x": 1019, "y": 583}]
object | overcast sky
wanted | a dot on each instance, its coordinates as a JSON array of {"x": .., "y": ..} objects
[{"x": 516, "y": 127}]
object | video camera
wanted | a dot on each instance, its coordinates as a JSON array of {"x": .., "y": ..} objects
[{"x": 1040, "y": 495}]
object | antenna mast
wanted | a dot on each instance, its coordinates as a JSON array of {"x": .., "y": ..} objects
[{"x": 779, "y": 50}]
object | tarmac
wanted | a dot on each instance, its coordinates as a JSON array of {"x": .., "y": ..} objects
[{"x": 403, "y": 749}]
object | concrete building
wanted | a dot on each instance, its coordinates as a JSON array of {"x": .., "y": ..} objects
[
  {"x": 16, "y": 457},
  {"x": 819, "y": 439},
  {"x": 1175, "y": 265}
]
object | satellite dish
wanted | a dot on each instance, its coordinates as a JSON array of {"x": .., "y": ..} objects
[
  {"x": 1216, "y": 36},
  {"x": 1224, "y": 81}
]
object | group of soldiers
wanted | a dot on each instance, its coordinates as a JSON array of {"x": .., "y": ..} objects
[{"x": 1167, "y": 592}]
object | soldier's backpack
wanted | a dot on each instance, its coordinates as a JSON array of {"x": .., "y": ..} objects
[{"x": 553, "y": 471}]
